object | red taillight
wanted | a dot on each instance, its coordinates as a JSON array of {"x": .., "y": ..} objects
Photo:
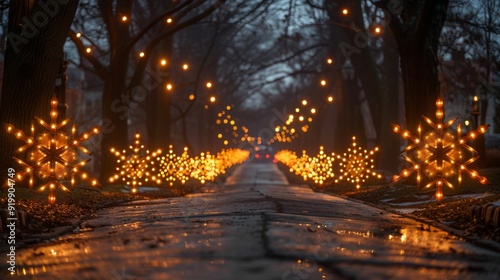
[
  {"x": 257, "y": 156},
  {"x": 268, "y": 156}
]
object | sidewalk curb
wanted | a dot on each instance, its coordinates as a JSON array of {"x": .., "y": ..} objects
[{"x": 482, "y": 243}]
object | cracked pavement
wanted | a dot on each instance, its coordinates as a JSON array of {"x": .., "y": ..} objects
[{"x": 255, "y": 227}]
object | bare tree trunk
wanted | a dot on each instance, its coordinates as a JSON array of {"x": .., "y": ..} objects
[
  {"x": 159, "y": 119},
  {"x": 33, "y": 57},
  {"x": 116, "y": 99},
  {"x": 390, "y": 103},
  {"x": 417, "y": 35}
]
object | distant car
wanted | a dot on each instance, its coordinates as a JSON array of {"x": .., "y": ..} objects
[{"x": 264, "y": 153}]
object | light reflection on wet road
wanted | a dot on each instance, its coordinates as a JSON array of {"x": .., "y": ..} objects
[{"x": 256, "y": 227}]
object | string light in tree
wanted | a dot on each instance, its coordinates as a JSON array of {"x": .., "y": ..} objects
[
  {"x": 356, "y": 166},
  {"x": 439, "y": 154},
  {"x": 52, "y": 155},
  {"x": 136, "y": 168},
  {"x": 169, "y": 87}
]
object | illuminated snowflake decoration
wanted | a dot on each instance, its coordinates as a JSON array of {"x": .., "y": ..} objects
[
  {"x": 439, "y": 154},
  {"x": 52, "y": 155},
  {"x": 137, "y": 168},
  {"x": 205, "y": 167},
  {"x": 174, "y": 167},
  {"x": 321, "y": 167},
  {"x": 287, "y": 157},
  {"x": 302, "y": 166},
  {"x": 356, "y": 166}
]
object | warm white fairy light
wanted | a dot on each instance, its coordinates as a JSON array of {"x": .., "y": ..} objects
[
  {"x": 52, "y": 156},
  {"x": 439, "y": 154},
  {"x": 356, "y": 165},
  {"x": 174, "y": 167},
  {"x": 136, "y": 168}
]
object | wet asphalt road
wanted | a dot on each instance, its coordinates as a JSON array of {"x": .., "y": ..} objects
[{"x": 256, "y": 227}]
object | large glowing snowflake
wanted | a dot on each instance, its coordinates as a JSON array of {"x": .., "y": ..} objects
[
  {"x": 321, "y": 167},
  {"x": 137, "y": 168},
  {"x": 357, "y": 165},
  {"x": 204, "y": 167},
  {"x": 174, "y": 167},
  {"x": 52, "y": 155},
  {"x": 439, "y": 154}
]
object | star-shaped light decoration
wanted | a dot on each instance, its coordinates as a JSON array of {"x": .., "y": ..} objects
[
  {"x": 357, "y": 165},
  {"x": 302, "y": 166},
  {"x": 52, "y": 155},
  {"x": 174, "y": 167},
  {"x": 321, "y": 167},
  {"x": 287, "y": 157},
  {"x": 204, "y": 167},
  {"x": 439, "y": 154},
  {"x": 136, "y": 168}
]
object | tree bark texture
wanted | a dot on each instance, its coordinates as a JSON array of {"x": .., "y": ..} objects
[{"x": 33, "y": 57}]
